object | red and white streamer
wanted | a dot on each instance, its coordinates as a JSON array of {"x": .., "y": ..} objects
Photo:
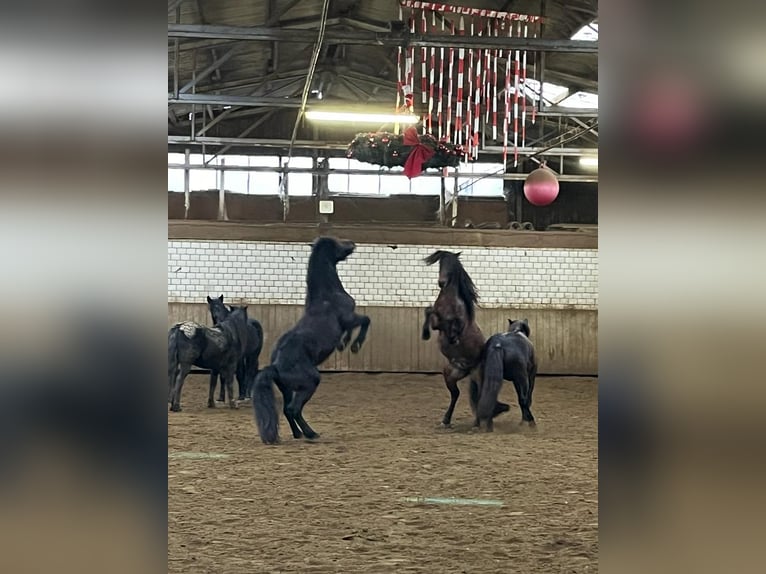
[
  {"x": 448, "y": 131},
  {"x": 423, "y": 74},
  {"x": 473, "y": 82},
  {"x": 477, "y": 102},
  {"x": 516, "y": 63},
  {"x": 459, "y": 106},
  {"x": 469, "y": 103},
  {"x": 507, "y": 98},
  {"x": 524, "y": 94},
  {"x": 467, "y": 11},
  {"x": 494, "y": 87}
]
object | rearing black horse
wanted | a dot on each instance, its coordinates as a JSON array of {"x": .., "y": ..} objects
[
  {"x": 461, "y": 341},
  {"x": 327, "y": 323}
]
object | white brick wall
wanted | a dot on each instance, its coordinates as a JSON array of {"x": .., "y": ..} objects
[{"x": 261, "y": 272}]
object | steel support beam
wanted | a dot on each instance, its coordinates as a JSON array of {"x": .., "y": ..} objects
[
  {"x": 311, "y": 144},
  {"x": 275, "y": 16},
  {"x": 173, "y": 5},
  {"x": 245, "y": 101},
  {"x": 210, "y": 69},
  {"x": 379, "y": 39},
  {"x": 384, "y": 172},
  {"x": 255, "y": 101}
]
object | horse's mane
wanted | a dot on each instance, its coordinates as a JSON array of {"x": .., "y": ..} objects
[
  {"x": 459, "y": 277},
  {"x": 322, "y": 274}
]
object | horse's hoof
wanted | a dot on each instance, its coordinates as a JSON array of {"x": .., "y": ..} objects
[
  {"x": 355, "y": 347},
  {"x": 175, "y": 408},
  {"x": 312, "y": 436},
  {"x": 445, "y": 425},
  {"x": 233, "y": 405},
  {"x": 211, "y": 404},
  {"x": 297, "y": 435},
  {"x": 426, "y": 336}
]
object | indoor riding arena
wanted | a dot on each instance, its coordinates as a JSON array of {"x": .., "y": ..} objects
[{"x": 406, "y": 128}]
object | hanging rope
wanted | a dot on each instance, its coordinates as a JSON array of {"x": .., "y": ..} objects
[{"x": 302, "y": 110}]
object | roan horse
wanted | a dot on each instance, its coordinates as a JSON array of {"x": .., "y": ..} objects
[
  {"x": 326, "y": 325},
  {"x": 247, "y": 368},
  {"x": 460, "y": 338},
  {"x": 216, "y": 348},
  {"x": 509, "y": 356}
]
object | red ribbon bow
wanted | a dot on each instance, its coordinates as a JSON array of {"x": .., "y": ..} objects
[{"x": 420, "y": 153}]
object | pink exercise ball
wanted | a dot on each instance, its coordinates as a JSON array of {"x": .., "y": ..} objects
[{"x": 541, "y": 187}]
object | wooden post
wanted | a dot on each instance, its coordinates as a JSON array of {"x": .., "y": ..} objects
[
  {"x": 442, "y": 197},
  {"x": 453, "y": 222},
  {"x": 222, "y": 215},
  {"x": 186, "y": 183}
]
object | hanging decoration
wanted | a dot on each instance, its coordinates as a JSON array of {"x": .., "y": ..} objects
[
  {"x": 541, "y": 186},
  {"x": 412, "y": 152},
  {"x": 460, "y": 87}
]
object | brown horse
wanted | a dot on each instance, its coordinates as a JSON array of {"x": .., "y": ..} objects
[{"x": 460, "y": 338}]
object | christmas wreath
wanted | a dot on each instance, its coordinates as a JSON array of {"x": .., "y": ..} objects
[{"x": 411, "y": 151}]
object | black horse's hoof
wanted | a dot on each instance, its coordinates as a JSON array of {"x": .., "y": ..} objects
[
  {"x": 426, "y": 335},
  {"x": 297, "y": 434},
  {"x": 211, "y": 404},
  {"x": 175, "y": 408},
  {"x": 355, "y": 347},
  {"x": 312, "y": 435},
  {"x": 501, "y": 408},
  {"x": 340, "y": 348}
]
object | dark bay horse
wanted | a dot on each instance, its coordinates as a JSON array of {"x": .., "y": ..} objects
[
  {"x": 509, "y": 356},
  {"x": 247, "y": 368},
  {"x": 461, "y": 341},
  {"x": 326, "y": 325},
  {"x": 216, "y": 348}
]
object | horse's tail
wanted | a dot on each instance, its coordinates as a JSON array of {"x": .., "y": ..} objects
[
  {"x": 259, "y": 330},
  {"x": 264, "y": 407},
  {"x": 493, "y": 381},
  {"x": 172, "y": 354}
]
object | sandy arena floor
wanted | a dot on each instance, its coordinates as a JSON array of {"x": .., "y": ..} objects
[{"x": 336, "y": 505}]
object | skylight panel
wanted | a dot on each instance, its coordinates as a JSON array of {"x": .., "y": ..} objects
[
  {"x": 581, "y": 100},
  {"x": 588, "y": 33}
]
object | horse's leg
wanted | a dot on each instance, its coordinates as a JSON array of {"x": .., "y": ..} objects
[
  {"x": 532, "y": 373},
  {"x": 364, "y": 322},
  {"x": 227, "y": 379},
  {"x": 475, "y": 391},
  {"x": 175, "y": 402},
  {"x": 426, "y": 332},
  {"x": 251, "y": 371},
  {"x": 222, "y": 393},
  {"x": 451, "y": 377},
  {"x": 300, "y": 397},
  {"x": 287, "y": 396},
  {"x": 242, "y": 377},
  {"x": 521, "y": 384},
  {"x": 211, "y": 394},
  {"x": 344, "y": 340}
]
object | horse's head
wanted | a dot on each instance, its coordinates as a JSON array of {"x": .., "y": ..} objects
[
  {"x": 449, "y": 263},
  {"x": 521, "y": 326},
  {"x": 335, "y": 249},
  {"x": 218, "y": 311},
  {"x": 452, "y": 274}
]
